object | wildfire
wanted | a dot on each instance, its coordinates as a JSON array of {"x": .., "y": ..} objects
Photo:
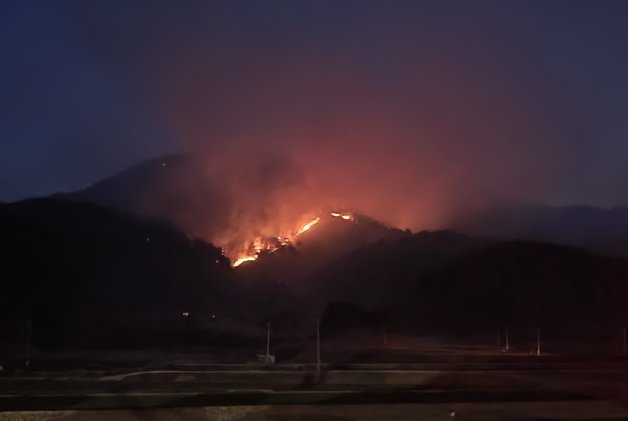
[
  {"x": 241, "y": 260},
  {"x": 346, "y": 216},
  {"x": 271, "y": 244},
  {"x": 309, "y": 225}
]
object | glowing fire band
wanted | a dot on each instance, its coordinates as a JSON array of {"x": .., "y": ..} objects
[
  {"x": 345, "y": 216},
  {"x": 241, "y": 260},
  {"x": 284, "y": 240},
  {"x": 308, "y": 226}
]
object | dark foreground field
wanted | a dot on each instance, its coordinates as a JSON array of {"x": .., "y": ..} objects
[
  {"x": 464, "y": 387},
  {"x": 594, "y": 410}
]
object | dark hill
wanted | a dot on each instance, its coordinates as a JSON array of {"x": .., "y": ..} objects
[
  {"x": 527, "y": 284},
  {"x": 382, "y": 273},
  {"x": 329, "y": 239},
  {"x": 443, "y": 281},
  {"x": 78, "y": 271},
  {"x": 62, "y": 263}
]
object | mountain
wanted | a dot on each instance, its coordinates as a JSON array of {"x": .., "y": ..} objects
[
  {"x": 176, "y": 188},
  {"x": 601, "y": 230},
  {"x": 522, "y": 283},
  {"x": 444, "y": 282},
  {"x": 117, "y": 255},
  {"x": 63, "y": 264},
  {"x": 86, "y": 275},
  {"x": 329, "y": 239},
  {"x": 172, "y": 187},
  {"x": 447, "y": 282}
]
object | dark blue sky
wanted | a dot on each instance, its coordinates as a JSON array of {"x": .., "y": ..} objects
[{"x": 526, "y": 97}]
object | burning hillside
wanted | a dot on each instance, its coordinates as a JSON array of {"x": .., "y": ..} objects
[
  {"x": 249, "y": 210},
  {"x": 265, "y": 245}
]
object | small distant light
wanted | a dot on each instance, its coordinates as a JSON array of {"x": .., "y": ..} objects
[
  {"x": 213, "y": 316},
  {"x": 217, "y": 261},
  {"x": 147, "y": 238},
  {"x": 186, "y": 314},
  {"x": 163, "y": 164}
]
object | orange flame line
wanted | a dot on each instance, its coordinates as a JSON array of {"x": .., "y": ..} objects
[
  {"x": 241, "y": 260},
  {"x": 308, "y": 226}
]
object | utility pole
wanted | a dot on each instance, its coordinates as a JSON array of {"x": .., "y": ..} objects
[
  {"x": 29, "y": 340},
  {"x": 268, "y": 343},
  {"x": 538, "y": 341},
  {"x": 318, "y": 346}
]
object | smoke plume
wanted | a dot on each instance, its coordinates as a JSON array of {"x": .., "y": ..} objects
[{"x": 294, "y": 108}]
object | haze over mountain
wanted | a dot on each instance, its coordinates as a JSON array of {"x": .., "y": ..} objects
[
  {"x": 180, "y": 189},
  {"x": 122, "y": 255},
  {"x": 172, "y": 187},
  {"x": 176, "y": 188},
  {"x": 602, "y": 230}
]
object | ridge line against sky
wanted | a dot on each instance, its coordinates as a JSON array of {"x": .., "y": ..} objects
[{"x": 473, "y": 100}]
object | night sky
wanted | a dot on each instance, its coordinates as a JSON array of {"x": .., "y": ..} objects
[{"x": 430, "y": 100}]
